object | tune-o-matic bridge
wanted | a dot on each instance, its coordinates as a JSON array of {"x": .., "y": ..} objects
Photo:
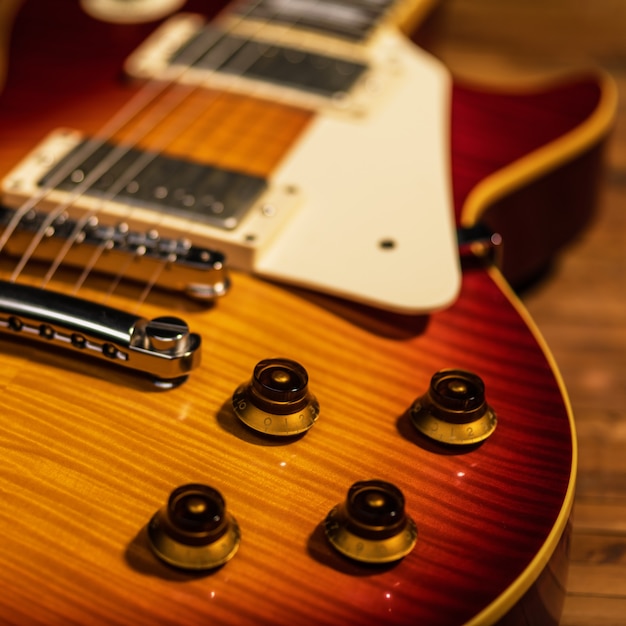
[
  {"x": 197, "y": 271},
  {"x": 162, "y": 348}
]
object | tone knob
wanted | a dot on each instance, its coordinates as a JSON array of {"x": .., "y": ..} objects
[
  {"x": 277, "y": 400},
  {"x": 194, "y": 531},
  {"x": 371, "y": 526},
  {"x": 454, "y": 410}
]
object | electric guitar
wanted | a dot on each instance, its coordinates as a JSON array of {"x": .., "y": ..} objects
[{"x": 376, "y": 432}]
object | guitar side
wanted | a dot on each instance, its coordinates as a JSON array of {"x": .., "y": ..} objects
[{"x": 84, "y": 466}]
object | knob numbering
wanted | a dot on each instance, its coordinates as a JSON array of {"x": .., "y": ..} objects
[
  {"x": 454, "y": 409},
  {"x": 371, "y": 526},
  {"x": 194, "y": 531},
  {"x": 277, "y": 400}
]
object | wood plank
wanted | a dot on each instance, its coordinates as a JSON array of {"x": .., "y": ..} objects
[
  {"x": 598, "y": 580},
  {"x": 589, "y": 610},
  {"x": 591, "y": 547},
  {"x": 600, "y": 515},
  {"x": 602, "y": 464}
]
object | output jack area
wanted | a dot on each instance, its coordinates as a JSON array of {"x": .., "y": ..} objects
[
  {"x": 194, "y": 531},
  {"x": 454, "y": 410},
  {"x": 371, "y": 525},
  {"x": 276, "y": 400}
]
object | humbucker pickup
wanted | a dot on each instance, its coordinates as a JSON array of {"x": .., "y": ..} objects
[
  {"x": 304, "y": 70},
  {"x": 218, "y": 209},
  {"x": 333, "y": 75},
  {"x": 352, "y": 21}
]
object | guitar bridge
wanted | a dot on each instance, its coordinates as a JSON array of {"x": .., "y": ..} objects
[
  {"x": 197, "y": 271},
  {"x": 162, "y": 348}
]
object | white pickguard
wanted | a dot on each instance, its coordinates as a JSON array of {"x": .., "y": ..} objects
[{"x": 383, "y": 178}]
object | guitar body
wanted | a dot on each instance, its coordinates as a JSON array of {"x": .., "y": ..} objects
[{"x": 89, "y": 452}]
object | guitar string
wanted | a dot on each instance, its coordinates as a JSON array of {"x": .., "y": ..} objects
[
  {"x": 85, "y": 183},
  {"x": 142, "y": 99},
  {"x": 259, "y": 88},
  {"x": 133, "y": 107},
  {"x": 238, "y": 65},
  {"x": 138, "y": 103},
  {"x": 165, "y": 139},
  {"x": 142, "y": 161},
  {"x": 202, "y": 107},
  {"x": 239, "y": 73},
  {"x": 120, "y": 183}
]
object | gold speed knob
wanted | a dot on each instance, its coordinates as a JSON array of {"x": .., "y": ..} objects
[
  {"x": 371, "y": 526},
  {"x": 194, "y": 531},
  {"x": 454, "y": 410},
  {"x": 277, "y": 400}
]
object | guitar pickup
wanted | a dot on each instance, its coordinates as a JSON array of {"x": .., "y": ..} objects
[
  {"x": 342, "y": 78},
  {"x": 163, "y": 348},
  {"x": 219, "y": 209}
]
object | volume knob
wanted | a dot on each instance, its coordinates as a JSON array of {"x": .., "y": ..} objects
[
  {"x": 277, "y": 400},
  {"x": 454, "y": 410},
  {"x": 371, "y": 526},
  {"x": 194, "y": 531}
]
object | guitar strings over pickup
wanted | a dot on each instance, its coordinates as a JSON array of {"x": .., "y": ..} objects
[
  {"x": 228, "y": 214},
  {"x": 197, "y": 191},
  {"x": 316, "y": 170},
  {"x": 288, "y": 66},
  {"x": 163, "y": 349},
  {"x": 303, "y": 65}
]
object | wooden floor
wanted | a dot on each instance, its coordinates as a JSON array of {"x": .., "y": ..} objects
[{"x": 581, "y": 306}]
